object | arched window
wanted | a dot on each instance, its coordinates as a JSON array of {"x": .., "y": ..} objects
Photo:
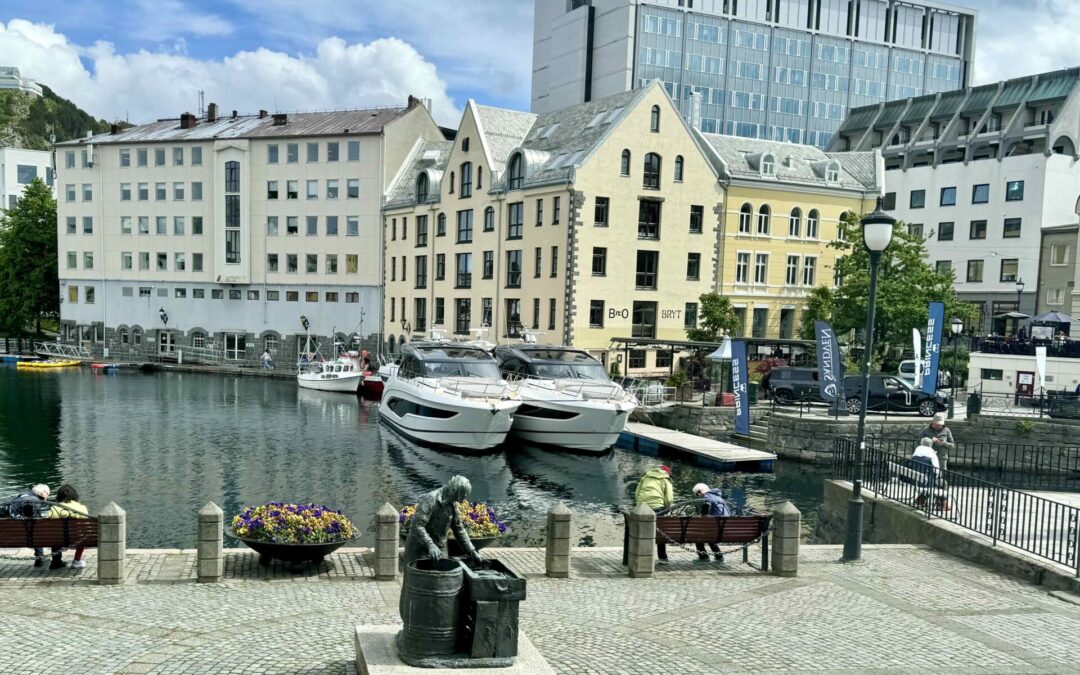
[
  {"x": 624, "y": 167},
  {"x": 746, "y": 215},
  {"x": 651, "y": 178},
  {"x": 794, "y": 223},
  {"x": 422, "y": 184},
  {"x": 812, "y": 219},
  {"x": 517, "y": 172},
  {"x": 123, "y": 336},
  {"x": 440, "y": 226},
  {"x": 136, "y": 336},
  {"x": 479, "y": 178},
  {"x": 198, "y": 340},
  {"x": 840, "y": 226},
  {"x": 678, "y": 168},
  {"x": 832, "y": 172},
  {"x": 489, "y": 219},
  {"x": 390, "y": 344},
  {"x": 466, "y": 180},
  {"x": 654, "y": 119},
  {"x": 763, "y": 215},
  {"x": 452, "y": 179},
  {"x": 768, "y": 165}
]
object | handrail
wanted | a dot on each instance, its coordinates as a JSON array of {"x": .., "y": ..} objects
[{"x": 463, "y": 387}]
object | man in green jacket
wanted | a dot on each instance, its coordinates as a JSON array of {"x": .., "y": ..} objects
[{"x": 656, "y": 491}]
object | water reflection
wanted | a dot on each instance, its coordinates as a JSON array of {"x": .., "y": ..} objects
[{"x": 163, "y": 445}]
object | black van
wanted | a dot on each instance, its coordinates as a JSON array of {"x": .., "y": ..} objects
[{"x": 787, "y": 385}]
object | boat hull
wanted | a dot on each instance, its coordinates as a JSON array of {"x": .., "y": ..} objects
[
  {"x": 576, "y": 425},
  {"x": 373, "y": 387},
  {"x": 347, "y": 383},
  {"x": 457, "y": 423}
]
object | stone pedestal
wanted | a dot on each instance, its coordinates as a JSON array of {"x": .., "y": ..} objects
[
  {"x": 557, "y": 551},
  {"x": 387, "y": 529},
  {"x": 112, "y": 544},
  {"x": 641, "y": 542},
  {"x": 787, "y": 530},
  {"x": 376, "y": 654},
  {"x": 210, "y": 563}
]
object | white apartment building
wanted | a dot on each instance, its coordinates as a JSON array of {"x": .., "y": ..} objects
[
  {"x": 980, "y": 172},
  {"x": 10, "y": 78},
  {"x": 784, "y": 71},
  {"x": 219, "y": 233},
  {"x": 18, "y": 168}
]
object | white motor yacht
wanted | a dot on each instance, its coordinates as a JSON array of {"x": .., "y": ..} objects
[
  {"x": 567, "y": 398},
  {"x": 448, "y": 393}
]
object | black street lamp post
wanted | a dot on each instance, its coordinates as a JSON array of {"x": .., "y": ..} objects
[
  {"x": 877, "y": 233},
  {"x": 956, "y": 326}
]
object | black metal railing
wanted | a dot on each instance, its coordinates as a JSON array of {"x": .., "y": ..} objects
[
  {"x": 1058, "y": 348},
  {"x": 1061, "y": 404},
  {"x": 1042, "y": 527}
]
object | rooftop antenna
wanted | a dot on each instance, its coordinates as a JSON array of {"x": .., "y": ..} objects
[{"x": 202, "y": 102}]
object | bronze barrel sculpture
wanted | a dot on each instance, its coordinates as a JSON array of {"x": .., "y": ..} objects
[{"x": 430, "y": 608}]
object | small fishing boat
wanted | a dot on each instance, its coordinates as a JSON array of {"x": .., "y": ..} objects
[
  {"x": 340, "y": 374},
  {"x": 105, "y": 367},
  {"x": 52, "y": 363}
]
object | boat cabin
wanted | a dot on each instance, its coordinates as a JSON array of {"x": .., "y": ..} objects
[
  {"x": 443, "y": 359},
  {"x": 549, "y": 362}
]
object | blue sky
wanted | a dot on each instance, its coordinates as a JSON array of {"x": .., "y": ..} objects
[{"x": 141, "y": 59}]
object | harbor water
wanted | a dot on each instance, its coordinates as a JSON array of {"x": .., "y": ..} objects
[{"x": 161, "y": 445}]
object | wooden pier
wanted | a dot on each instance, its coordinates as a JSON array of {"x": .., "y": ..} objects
[{"x": 654, "y": 440}]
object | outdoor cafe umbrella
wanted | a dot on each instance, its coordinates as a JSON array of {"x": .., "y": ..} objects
[
  {"x": 1012, "y": 315},
  {"x": 1053, "y": 317}
]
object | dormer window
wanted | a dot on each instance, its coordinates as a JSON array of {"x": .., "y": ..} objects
[
  {"x": 422, "y": 184},
  {"x": 768, "y": 166},
  {"x": 832, "y": 172},
  {"x": 516, "y": 172}
]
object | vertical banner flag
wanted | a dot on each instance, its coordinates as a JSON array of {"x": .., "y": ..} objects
[
  {"x": 916, "y": 341},
  {"x": 739, "y": 376},
  {"x": 829, "y": 363},
  {"x": 1040, "y": 365},
  {"x": 934, "y": 327}
]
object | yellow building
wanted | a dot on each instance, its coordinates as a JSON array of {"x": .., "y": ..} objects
[
  {"x": 593, "y": 222},
  {"x": 783, "y": 206}
]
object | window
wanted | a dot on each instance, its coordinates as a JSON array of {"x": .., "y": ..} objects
[
  {"x": 693, "y": 266},
  {"x": 440, "y": 225},
  {"x": 539, "y": 212},
  {"x": 746, "y": 214},
  {"x": 232, "y": 212},
  {"x": 312, "y": 264},
  {"x": 555, "y": 210},
  {"x": 761, "y": 268},
  {"x": 697, "y": 217},
  {"x": 312, "y": 152},
  {"x": 812, "y": 220},
  {"x": 516, "y": 172},
  {"x": 918, "y": 199},
  {"x": 271, "y": 262},
  {"x": 945, "y": 231},
  {"x": 73, "y": 260},
  {"x": 792, "y": 275},
  {"x": 489, "y": 264},
  {"x": 352, "y": 263},
  {"x": 271, "y": 189},
  {"x": 679, "y": 168},
  {"x": 643, "y": 317},
  {"x": 742, "y": 268},
  {"x": 536, "y": 313},
  {"x": 292, "y": 225},
  {"x": 179, "y": 263},
  {"x": 88, "y": 225},
  {"x": 272, "y": 153},
  {"x": 466, "y": 180},
  {"x": 889, "y": 203},
  {"x": 795, "y": 223},
  {"x": 596, "y": 314},
  {"x": 422, "y": 185},
  {"x": 479, "y": 177},
  {"x": 421, "y": 231},
  {"x": 196, "y": 225},
  {"x": 311, "y": 189},
  {"x": 125, "y": 192},
  {"x": 654, "y": 119},
  {"x": 69, "y": 159},
  {"x": 690, "y": 315},
  {"x": 291, "y": 263},
  {"x": 73, "y": 294},
  {"x": 624, "y": 163},
  {"x": 69, "y": 192},
  {"x": 310, "y": 296},
  {"x": 144, "y": 261},
  {"x": 88, "y": 192},
  {"x": 162, "y": 262},
  {"x": 196, "y": 156},
  {"x": 1009, "y": 267},
  {"x": 832, "y": 173},
  {"x": 178, "y": 225},
  {"x": 599, "y": 261},
  {"x": 763, "y": 217},
  {"x": 178, "y": 192},
  {"x": 144, "y": 191},
  {"x": 332, "y": 151},
  {"x": 538, "y": 261},
  {"x": 648, "y": 219},
  {"x": 768, "y": 165},
  {"x": 464, "y": 270},
  {"x": 809, "y": 270},
  {"x": 1014, "y": 191},
  {"x": 513, "y": 269},
  {"x": 516, "y": 221},
  {"x": 352, "y": 188},
  {"x": 196, "y": 191},
  {"x": 915, "y": 230},
  {"x": 554, "y": 261},
  {"x": 271, "y": 226},
  {"x": 943, "y": 267},
  {"x": 1059, "y": 255},
  {"x": 648, "y": 263},
  {"x": 637, "y": 359},
  {"x": 464, "y": 226},
  {"x": 331, "y": 189},
  {"x": 1011, "y": 229},
  {"x": 71, "y": 224},
  {"x": 552, "y": 311},
  {"x": 978, "y": 230},
  {"x": 948, "y": 196},
  {"x": 1055, "y": 296},
  {"x": 975, "y": 271},
  {"x": 489, "y": 219},
  {"x": 312, "y": 228},
  {"x": 159, "y": 156},
  {"x": 651, "y": 178},
  {"x": 600, "y": 212},
  {"x": 991, "y": 373},
  {"x": 352, "y": 225},
  {"x": 353, "y": 151},
  {"x": 292, "y": 153},
  {"x": 980, "y": 194},
  {"x": 292, "y": 189}
]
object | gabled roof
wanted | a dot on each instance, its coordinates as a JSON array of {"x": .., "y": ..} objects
[
  {"x": 426, "y": 156},
  {"x": 501, "y": 131},
  {"x": 741, "y": 159}
]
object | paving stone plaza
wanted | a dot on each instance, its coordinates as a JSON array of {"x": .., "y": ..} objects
[{"x": 902, "y": 609}]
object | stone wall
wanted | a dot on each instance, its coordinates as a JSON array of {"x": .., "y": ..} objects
[{"x": 706, "y": 421}]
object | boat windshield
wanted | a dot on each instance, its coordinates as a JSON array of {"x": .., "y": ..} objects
[
  {"x": 573, "y": 371},
  {"x": 486, "y": 369}
]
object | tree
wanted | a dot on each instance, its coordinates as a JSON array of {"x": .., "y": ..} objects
[
  {"x": 907, "y": 283},
  {"x": 29, "y": 281},
  {"x": 819, "y": 307},
  {"x": 715, "y": 317}
]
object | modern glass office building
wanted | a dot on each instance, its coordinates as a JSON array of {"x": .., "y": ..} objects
[{"x": 785, "y": 70}]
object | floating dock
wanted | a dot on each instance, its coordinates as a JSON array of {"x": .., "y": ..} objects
[{"x": 654, "y": 440}]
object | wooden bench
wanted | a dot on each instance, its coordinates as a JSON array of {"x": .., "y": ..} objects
[
  {"x": 48, "y": 532},
  {"x": 744, "y": 529}
]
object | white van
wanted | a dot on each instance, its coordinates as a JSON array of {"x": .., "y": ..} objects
[{"x": 907, "y": 372}]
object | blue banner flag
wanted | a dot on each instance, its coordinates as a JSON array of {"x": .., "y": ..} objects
[
  {"x": 830, "y": 375},
  {"x": 739, "y": 374},
  {"x": 932, "y": 352}
]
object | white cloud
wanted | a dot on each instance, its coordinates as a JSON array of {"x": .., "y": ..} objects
[
  {"x": 1045, "y": 42},
  {"x": 159, "y": 20},
  {"x": 147, "y": 85}
]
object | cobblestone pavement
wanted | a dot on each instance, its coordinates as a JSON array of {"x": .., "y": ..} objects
[{"x": 903, "y": 609}]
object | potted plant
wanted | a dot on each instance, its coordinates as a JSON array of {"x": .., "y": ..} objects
[
  {"x": 480, "y": 521},
  {"x": 294, "y": 533}
]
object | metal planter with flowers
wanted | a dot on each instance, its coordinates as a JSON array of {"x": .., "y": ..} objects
[
  {"x": 293, "y": 533},
  {"x": 480, "y": 521}
]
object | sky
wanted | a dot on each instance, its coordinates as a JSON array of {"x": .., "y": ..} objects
[{"x": 139, "y": 60}]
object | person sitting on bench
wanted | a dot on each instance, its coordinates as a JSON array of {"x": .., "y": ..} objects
[
  {"x": 67, "y": 506},
  {"x": 713, "y": 504}
]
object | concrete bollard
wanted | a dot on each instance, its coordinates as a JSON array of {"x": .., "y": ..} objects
[
  {"x": 210, "y": 563},
  {"x": 557, "y": 551},
  {"x": 387, "y": 529},
  {"x": 786, "y": 534},
  {"x": 112, "y": 544},
  {"x": 641, "y": 542}
]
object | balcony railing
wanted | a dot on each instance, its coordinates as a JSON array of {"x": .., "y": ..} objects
[{"x": 1056, "y": 348}]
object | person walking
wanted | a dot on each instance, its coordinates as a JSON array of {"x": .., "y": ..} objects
[
  {"x": 267, "y": 360},
  {"x": 67, "y": 506},
  {"x": 941, "y": 439},
  {"x": 713, "y": 504},
  {"x": 656, "y": 491}
]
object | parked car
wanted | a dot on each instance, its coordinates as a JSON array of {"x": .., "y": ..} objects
[
  {"x": 888, "y": 392},
  {"x": 787, "y": 384},
  {"x": 907, "y": 373}
]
